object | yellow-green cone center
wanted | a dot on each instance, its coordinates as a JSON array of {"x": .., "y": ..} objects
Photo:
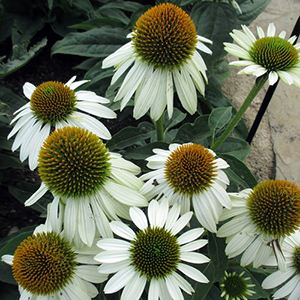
[
  {"x": 274, "y": 53},
  {"x": 190, "y": 169},
  {"x": 155, "y": 253},
  {"x": 274, "y": 207},
  {"x": 296, "y": 259},
  {"x": 73, "y": 162},
  {"x": 235, "y": 287},
  {"x": 164, "y": 36},
  {"x": 52, "y": 102},
  {"x": 44, "y": 263}
]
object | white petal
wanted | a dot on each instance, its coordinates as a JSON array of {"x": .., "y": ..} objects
[
  {"x": 172, "y": 216},
  {"x": 277, "y": 278},
  {"x": 112, "y": 256},
  {"x": 138, "y": 217},
  {"x": 8, "y": 259},
  {"x": 119, "y": 280},
  {"x": 28, "y": 89},
  {"x": 90, "y": 273},
  {"x": 70, "y": 219},
  {"x": 134, "y": 288},
  {"x": 113, "y": 244},
  {"x": 273, "y": 77},
  {"x": 192, "y": 273},
  {"x": 181, "y": 223},
  {"x": 271, "y": 30},
  {"x": 122, "y": 230},
  {"x": 194, "y": 257},
  {"x": 190, "y": 235},
  {"x": 114, "y": 267},
  {"x": 97, "y": 109},
  {"x": 37, "y": 195},
  {"x": 173, "y": 288},
  {"x": 192, "y": 246},
  {"x": 153, "y": 290}
]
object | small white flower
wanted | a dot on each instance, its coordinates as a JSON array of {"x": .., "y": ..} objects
[
  {"x": 290, "y": 279},
  {"x": 269, "y": 54},
  {"x": 260, "y": 219},
  {"x": 162, "y": 54},
  {"x": 189, "y": 174},
  {"x": 54, "y": 105},
  {"x": 89, "y": 183},
  {"x": 153, "y": 254},
  {"x": 46, "y": 266}
]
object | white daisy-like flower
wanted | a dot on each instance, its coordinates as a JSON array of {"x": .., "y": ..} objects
[
  {"x": 189, "y": 173},
  {"x": 89, "y": 183},
  {"x": 53, "y": 105},
  {"x": 269, "y": 54},
  {"x": 162, "y": 53},
  {"x": 47, "y": 266},
  {"x": 259, "y": 221},
  {"x": 290, "y": 279},
  {"x": 153, "y": 254}
]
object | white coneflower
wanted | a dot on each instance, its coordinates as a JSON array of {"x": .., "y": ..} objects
[
  {"x": 153, "y": 254},
  {"x": 90, "y": 182},
  {"x": 189, "y": 174},
  {"x": 47, "y": 266},
  {"x": 52, "y": 105},
  {"x": 290, "y": 279},
  {"x": 269, "y": 54},
  {"x": 261, "y": 218},
  {"x": 163, "y": 52}
]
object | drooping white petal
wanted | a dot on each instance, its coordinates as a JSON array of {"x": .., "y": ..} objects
[
  {"x": 90, "y": 273},
  {"x": 37, "y": 195},
  {"x": 134, "y": 288},
  {"x": 28, "y": 89}
]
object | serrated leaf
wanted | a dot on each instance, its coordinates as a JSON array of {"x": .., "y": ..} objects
[
  {"x": 97, "y": 42},
  {"x": 20, "y": 57},
  {"x": 219, "y": 118},
  {"x": 238, "y": 172}
]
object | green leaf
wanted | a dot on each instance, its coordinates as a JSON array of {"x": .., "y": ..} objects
[
  {"x": 219, "y": 118},
  {"x": 11, "y": 99},
  {"x": 177, "y": 117},
  {"x": 141, "y": 153},
  {"x": 98, "y": 22},
  {"x": 197, "y": 132},
  {"x": 20, "y": 57},
  {"x": 130, "y": 136},
  {"x": 216, "y": 252},
  {"x": 214, "y": 20},
  {"x": 238, "y": 173},
  {"x": 23, "y": 191},
  {"x": 8, "y": 161},
  {"x": 115, "y": 14},
  {"x": 124, "y": 5},
  {"x": 97, "y": 42},
  {"x": 250, "y": 10},
  {"x": 236, "y": 147},
  {"x": 4, "y": 109}
]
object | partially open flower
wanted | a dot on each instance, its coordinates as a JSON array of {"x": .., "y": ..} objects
[
  {"x": 261, "y": 218},
  {"x": 164, "y": 51},
  {"x": 235, "y": 287},
  {"x": 91, "y": 183},
  {"x": 269, "y": 54}
]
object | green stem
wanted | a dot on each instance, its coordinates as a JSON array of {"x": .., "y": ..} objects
[
  {"x": 252, "y": 94},
  {"x": 159, "y": 126}
]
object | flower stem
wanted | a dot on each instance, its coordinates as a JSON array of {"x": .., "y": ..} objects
[
  {"x": 252, "y": 94},
  {"x": 159, "y": 126}
]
